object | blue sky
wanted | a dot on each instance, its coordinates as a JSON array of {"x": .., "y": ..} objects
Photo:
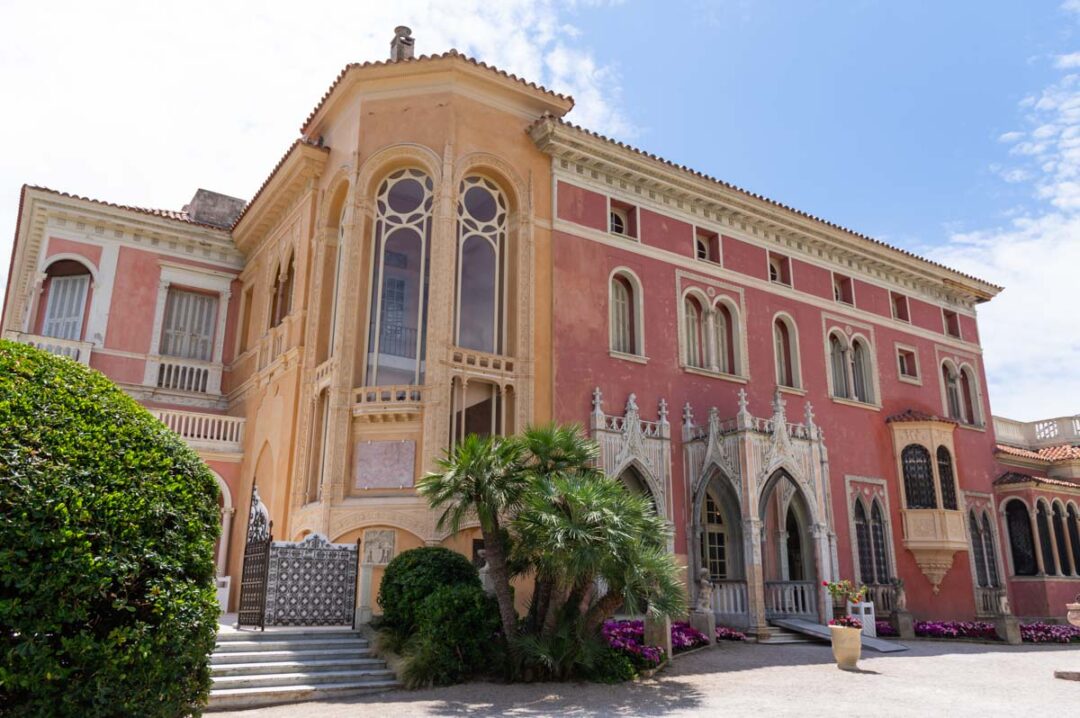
[{"x": 947, "y": 128}]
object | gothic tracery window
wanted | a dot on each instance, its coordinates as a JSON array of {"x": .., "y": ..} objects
[
  {"x": 1021, "y": 539},
  {"x": 694, "y": 325},
  {"x": 918, "y": 477},
  {"x": 948, "y": 480},
  {"x": 399, "y": 286},
  {"x": 839, "y": 366},
  {"x": 715, "y": 538},
  {"x": 482, "y": 221},
  {"x": 785, "y": 351},
  {"x": 870, "y": 541}
]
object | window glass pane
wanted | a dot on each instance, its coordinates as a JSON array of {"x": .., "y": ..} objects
[
  {"x": 918, "y": 477},
  {"x": 978, "y": 553},
  {"x": 477, "y": 300},
  {"x": 948, "y": 482},
  {"x": 877, "y": 530},
  {"x": 188, "y": 325},
  {"x": 989, "y": 552},
  {"x": 863, "y": 542},
  {"x": 839, "y": 368},
  {"x": 1047, "y": 546},
  {"x": 1021, "y": 540}
]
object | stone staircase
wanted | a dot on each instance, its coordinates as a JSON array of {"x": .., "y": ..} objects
[
  {"x": 252, "y": 668},
  {"x": 781, "y": 636}
]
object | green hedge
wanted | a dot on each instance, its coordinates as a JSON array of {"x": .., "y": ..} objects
[
  {"x": 455, "y": 637},
  {"x": 107, "y": 530},
  {"x": 412, "y": 576}
]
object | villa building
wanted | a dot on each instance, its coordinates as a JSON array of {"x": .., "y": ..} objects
[{"x": 440, "y": 253}]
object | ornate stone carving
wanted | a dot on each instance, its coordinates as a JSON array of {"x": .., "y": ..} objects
[
  {"x": 378, "y": 546},
  {"x": 705, "y": 589},
  {"x": 629, "y": 440}
]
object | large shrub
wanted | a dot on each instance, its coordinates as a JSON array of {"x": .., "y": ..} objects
[
  {"x": 456, "y": 628},
  {"x": 107, "y": 530},
  {"x": 414, "y": 575}
]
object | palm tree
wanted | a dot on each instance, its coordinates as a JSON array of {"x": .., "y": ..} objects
[{"x": 482, "y": 477}]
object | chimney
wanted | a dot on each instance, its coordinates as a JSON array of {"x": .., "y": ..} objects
[
  {"x": 214, "y": 208},
  {"x": 401, "y": 47}
]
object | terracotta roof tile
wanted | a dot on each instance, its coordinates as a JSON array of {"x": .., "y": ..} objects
[
  {"x": 1015, "y": 477},
  {"x": 754, "y": 195},
  {"x": 448, "y": 55},
  {"x": 162, "y": 213},
  {"x": 1063, "y": 452},
  {"x": 915, "y": 415}
]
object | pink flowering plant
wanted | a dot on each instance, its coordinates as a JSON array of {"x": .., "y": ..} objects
[
  {"x": 628, "y": 637},
  {"x": 845, "y": 590},
  {"x": 885, "y": 629},
  {"x": 1049, "y": 633},
  {"x": 685, "y": 637},
  {"x": 846, "y": 622},
  {"x": 723, "y": 633},
  {"x": 955, "y": 629}
]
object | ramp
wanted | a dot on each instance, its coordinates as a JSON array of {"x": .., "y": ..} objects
[{"x": 821, "y": 632}]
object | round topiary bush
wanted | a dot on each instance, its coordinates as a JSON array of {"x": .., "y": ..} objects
[
  {"x": 412, "y": 576},
  {"x": 107, "y": 530},
  {"x": 455, "y": 633}
]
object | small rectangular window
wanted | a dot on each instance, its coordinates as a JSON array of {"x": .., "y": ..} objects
[
  {"x": 843, "y": 290},
  {"x": 779, "y": 269},
  {"x": 899, "y": 307},
  {"x": 707, "y": 246},
  {"x": 622, "y": 219},
  {"x": 909, "y": 366},
  {"x": 952, "y": 323},
  {"x": 245, "y": 319}
]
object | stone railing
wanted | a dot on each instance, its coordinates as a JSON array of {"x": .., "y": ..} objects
[
  {"x": 204, "y": 431},
  {"x": 1036, "y": 434},
  {"x": 76, "y": 351},
  {"x": 323, "y": 371},
  {"x": 791, "y": 598},
  {"x": 477, "y": 363},
  {"x": 988, "y": 601},
  {"x": 729, "y": 601},
  {"x": 398, "y": 402},
  {"x": 272, "y": 345},
  {"x": 883, "y": 596},
  {"x": 189, "y": 375}
]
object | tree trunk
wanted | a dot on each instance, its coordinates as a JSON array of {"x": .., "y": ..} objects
[
  {"x": 500, "y": 577},
  {"x": 602, "y": 610},
  {"x": 541, "y": 600}
]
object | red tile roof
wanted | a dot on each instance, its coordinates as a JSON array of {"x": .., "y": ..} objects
[
  {"x": 162, "y": 213},
  {"x": 1063, "y": 452},
  {"x": 448, "y": 55},
  {"x": 1015, "y": 477},
  {"x": 915, "y": 415},
  {"x": 754, "y": 195}
]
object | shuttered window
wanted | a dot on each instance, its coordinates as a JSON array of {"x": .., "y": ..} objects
[
  {"x": 188, "y": 329},
  {"x": 64, "y": 312}
]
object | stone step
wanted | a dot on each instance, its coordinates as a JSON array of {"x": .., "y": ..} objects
[
  {"x": 280, "y": 680},
  {"x": 278, "y": 634},
  {"x": 312, "y": 644},
  {"x": 302, "y": 666},
  {"x": 260, "y": 697},
  {"x": 287, "y": 654}
]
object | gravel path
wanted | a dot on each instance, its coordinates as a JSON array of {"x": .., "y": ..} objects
[{"x": 933, "y": 678}]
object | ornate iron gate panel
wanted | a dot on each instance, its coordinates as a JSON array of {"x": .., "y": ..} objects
[
  {"x": 256, "y": 565},
  {"x": 311, "y": 583}
]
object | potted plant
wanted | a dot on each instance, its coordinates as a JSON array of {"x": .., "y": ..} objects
[{"x": 846, "y": 641}]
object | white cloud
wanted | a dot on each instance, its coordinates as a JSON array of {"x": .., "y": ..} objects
[
  {"x": 1031, "y": 331},
  {"x": 140, "y": 103},
  {"x": 1069, "y": 61}
]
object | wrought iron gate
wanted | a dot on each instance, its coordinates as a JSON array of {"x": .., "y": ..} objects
[
  {"x": 252, "y": 611},
  {"x": 295, "y": 583}
]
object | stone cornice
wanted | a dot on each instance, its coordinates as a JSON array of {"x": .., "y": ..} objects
[
  {"x": 628, "y": 171},
  {"x": 285, "y": 185}
]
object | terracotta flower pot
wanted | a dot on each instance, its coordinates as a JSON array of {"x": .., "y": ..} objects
[
  {"x": 846, "y": 646},
  {"x": 1073, "y": 611}
]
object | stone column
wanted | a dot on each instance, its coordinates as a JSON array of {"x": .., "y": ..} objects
[
  {"x": 1037, "y": 540},
  {"x": 223, "y": 542},
  {"x": 1068, "y": 546},
  {"x": 755, "y": 575}
]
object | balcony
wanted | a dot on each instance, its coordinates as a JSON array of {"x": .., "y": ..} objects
[
  {"x": 399, "y": 402},
  {"x": 471, "y": 363},
  {"x": 933, "y": 536},
  {"x": 205, "y": 432},
  {"x": 1037, "y": 434},
  {"x": 186, "y": 375},
  {"x": 74, "y": 350}
]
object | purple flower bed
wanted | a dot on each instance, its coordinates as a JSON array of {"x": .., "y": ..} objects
[
  {"x": 955, "y": 629},
  {"x": 723, "y": 633},
  {"x": 629, "y": 638},
  {"x": 1049, "y": 633},
  {"x": 885, "y": 629},
  {"x": 684, "y": 637}
]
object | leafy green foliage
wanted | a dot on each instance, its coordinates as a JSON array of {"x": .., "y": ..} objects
[
  {"x": 413, "y": 576},
  {"x": 456, "y": 629},
  {"x": 107, "y": 530}
]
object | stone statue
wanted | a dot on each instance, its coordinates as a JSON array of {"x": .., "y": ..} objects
[
  {"x": 705, "y": 588},
  {"x": 900, "y": 596},
  {"x": 485, "y": 577},
  {"x": 1004, "y": 608}
]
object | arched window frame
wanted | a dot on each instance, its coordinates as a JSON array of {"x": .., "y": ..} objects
[
  {"x": 1020, "y": 530},
  {"x": 1059, "y": 524},
  {"x": 1045, "y": 537},
  {"x": 86, "y": 290},
  {"x": 695, "y": 331},
  {"x": 950, "y": 390},
  {"x": 971, "y": 395},
  {"x": 496, "y": 233},
  {"x": 786, "y": 351},
  {"x": 281, "y": 299},
  {"x": 419, "y": 221},
  {"x": 836, "y": 351},
  {"x": 919, "y": 487},
  {"x": 946, "y": 474},
  {"x": 729, "y": 337},
  {"x": 864, "y": 365},
  {"x": 635, "y": 321}
]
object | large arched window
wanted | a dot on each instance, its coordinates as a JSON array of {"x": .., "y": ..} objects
[
  {"x": 982, "y": 551},
  {"x": 694, "y": 330},
  {"x": 339, "y": 251},
  {"x": 870, "y": 539},
  {"x": 482, "y": 221},
  {"x": 947, "y": 477},
  {"x": 969, "y": 396},
  {"x": 1061, "y": 541},
  {"x": 399, "y": 286},
  {"x": 728, "y": 341},
  {"x": 67, "y": 284},
  {"x": 838, "y": 365},
  {"x": 990, "y": 551},
  {"x": 918, "y": 477},
  {"x": 624, "y": 319},
  {"x": 1021, "y": 539},
  {"x": 786, "y": 352},
  {"x": 1042, "y": 522},
  {"x": 715, "y": 539},
  {"x": 862, "y": 381}
]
